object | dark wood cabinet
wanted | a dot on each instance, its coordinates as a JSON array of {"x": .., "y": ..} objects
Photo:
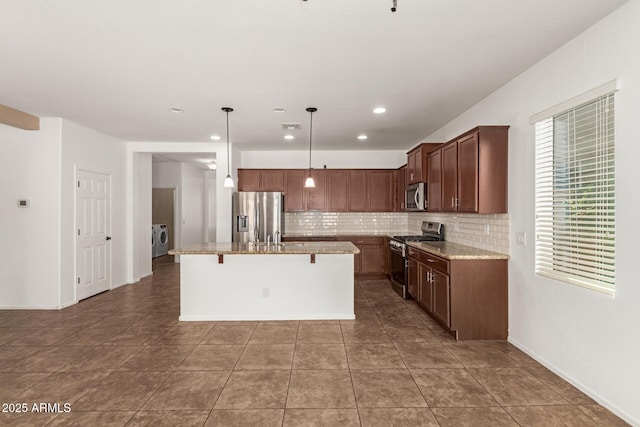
[
  {"x": 414, "y": 165},
  {"x": 425, "y": 296},
  {"x": 380, "y": 190},
  {"x": 434, "y": 181},
  {"x": 261, "y": 180},
  {"x": 358, "y": 191},
  {"x": 248, "y": 180},
  {"x": 338, "y": 190},
  {"x": 373, "y": 258},
  {"x": 294, "y": 198},
  {"x": 449, "y": 177},
  {"x": 272, "y": 180},
  {"x": 468, "y": 173},
  {"x": 474, "y": 176},
  {"x": 300, "y": 199},
  {"x": 401, "y": 188},
  {"x": 467, "y": 297},
  {"x": 413, "y": 278},
  {"x": 317, "y": 197},
  {"x": 440, "y": 292},
  {"x": 417, "y": 164}
]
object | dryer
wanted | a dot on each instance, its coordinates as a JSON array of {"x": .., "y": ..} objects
[
  {"x": 154, "y": 241},
  {"x": 162, "y": 240}
]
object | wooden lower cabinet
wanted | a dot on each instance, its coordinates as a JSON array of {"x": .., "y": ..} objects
[
  {"x": 425, "y": 295},
  {"x": 440, "y": 294},
  {"x": 469, "y": 297},
  {"x": 413, "y": 278},
  {"x": 373, "y": 256}
]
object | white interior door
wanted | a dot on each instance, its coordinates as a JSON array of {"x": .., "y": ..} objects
[{"x": 93, "y": 253}]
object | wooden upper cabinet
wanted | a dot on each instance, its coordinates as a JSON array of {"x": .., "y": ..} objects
[
  {"x": 402, "y": 188},
  {"x": 380, "y": 190},
  {"x": 317, "y": 197},
  {"x": 358, "y": 191},
  {"x": 475, "y": 171},
  {"x": 449, "y": 177},
  {"x": 294, "y": 197},
  {"x": 417, "y": 163},
  {"x": 248, "y": 180},
  {"x": 261, "y": 180},
  {"x": 468, "y": 173},
  {"x": 338, "y": 190},
  {"x": 272, "y": 180},
  {"x": 434, "y": 181},
  {"x": 414, "y": 166}
]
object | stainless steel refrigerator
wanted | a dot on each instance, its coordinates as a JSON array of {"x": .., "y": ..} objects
[{"x": 258, "y": 216}]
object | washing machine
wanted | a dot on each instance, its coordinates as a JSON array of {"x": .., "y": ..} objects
[
  {"x": 162, "y": 240},
  {"x": 154, "y": 241}
]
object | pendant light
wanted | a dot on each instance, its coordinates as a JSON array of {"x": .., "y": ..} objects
[
  {"x": 309, "y": 182},
  {"x": 228, "y": 181}
]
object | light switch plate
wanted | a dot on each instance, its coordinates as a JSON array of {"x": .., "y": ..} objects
[{"x": 521, "y": 238}]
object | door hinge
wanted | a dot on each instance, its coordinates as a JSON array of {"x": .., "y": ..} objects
[
  {"x": 78, "y": 184},
  {"x": 78, "y": 231},
  {"x": 78, "y": 280}
]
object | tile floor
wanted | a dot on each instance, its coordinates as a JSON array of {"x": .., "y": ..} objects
[{"x": 122, "y": 358}]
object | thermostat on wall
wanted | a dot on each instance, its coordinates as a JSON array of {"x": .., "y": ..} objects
[{"x": 24, "y": 203}]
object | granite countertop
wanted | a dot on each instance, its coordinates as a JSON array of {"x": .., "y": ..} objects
[
  {"x": 288, "y": 248},
  {"x": 453, "y": 251}
]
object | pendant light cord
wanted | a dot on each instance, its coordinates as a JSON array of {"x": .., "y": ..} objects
[
  {"x": 310, "y": 137},
  {"x": 228, "y": 155}
]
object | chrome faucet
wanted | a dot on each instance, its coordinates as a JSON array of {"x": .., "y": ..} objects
[
  {"x": 268, "y": 240},
  {"x": 276, "y": 237}
]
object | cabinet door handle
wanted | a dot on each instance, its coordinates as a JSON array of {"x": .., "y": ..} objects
[
  {"x": 430, "y": 260},
  {"x": 452, "y": 205}
]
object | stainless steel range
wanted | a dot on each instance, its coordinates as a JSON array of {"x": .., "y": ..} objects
[{"x": 431, "y": 232}]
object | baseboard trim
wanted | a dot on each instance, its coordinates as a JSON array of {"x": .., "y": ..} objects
[{"x": 577, "y": 384}]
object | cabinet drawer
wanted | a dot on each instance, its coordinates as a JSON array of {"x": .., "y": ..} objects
[
  {"x": 434, "y": 262},
  {"x": 362, "y": 240},
  {"x": 413, "y": 253}
]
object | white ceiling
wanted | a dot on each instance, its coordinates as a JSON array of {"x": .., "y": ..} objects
[{"x": 117, "y": 66}]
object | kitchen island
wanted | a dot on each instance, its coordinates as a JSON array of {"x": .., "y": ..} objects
[{"x": 285, "y": 281}]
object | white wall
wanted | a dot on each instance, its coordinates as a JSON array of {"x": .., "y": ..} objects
[
  {"x": 210, "y": 208},
  {"x": 86, "y": 149},
  {"x": 30, "y": 244},
  {"x": 144, "y": 198},
  {"x": 192, "y": 205},
  {"x": 587, "y": 337},
  {"x": 383, "y": 159}
]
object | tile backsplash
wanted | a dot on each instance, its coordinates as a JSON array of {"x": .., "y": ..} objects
[
  {"x": 490, "y": 232},
  {"x": 331, "y": 223},
  {"x": 484, "y": 231}
]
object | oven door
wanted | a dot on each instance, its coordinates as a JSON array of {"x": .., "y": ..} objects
[{"x": 398, "y": 271}]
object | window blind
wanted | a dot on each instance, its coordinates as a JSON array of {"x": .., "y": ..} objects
[{"x": 575, "y": 195}]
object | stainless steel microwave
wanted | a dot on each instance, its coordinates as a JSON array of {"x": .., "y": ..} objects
[{"x": 416, "y": 197}]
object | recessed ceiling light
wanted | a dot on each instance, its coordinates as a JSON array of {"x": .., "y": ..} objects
[
  {"x": 379, "y": 110},
  {"x": 288, "y": 137},
  {"x": 362, "y": 137},
  {"x": 215, "y": 137},
  {"x": 279, "y": 110},
  {"x": 176, "y": 110}
]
